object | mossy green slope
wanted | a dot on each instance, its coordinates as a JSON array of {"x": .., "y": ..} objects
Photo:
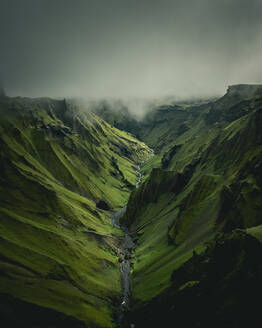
[
  {"x": 58, "y": 250},
  {"x": 211, "y": 183},
  {"x": 217, "y": 288}
]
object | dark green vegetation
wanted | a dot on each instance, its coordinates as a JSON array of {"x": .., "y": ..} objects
[
  {"x": 61, "y": 170},
  {"x": 195, "y": 219},
  {"x": 206, "y": 183},
  {"x": 218, "y": 288},
  {"x": 118, "y": 115}
]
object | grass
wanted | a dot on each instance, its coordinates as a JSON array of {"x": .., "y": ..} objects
[
  {"x": 172, "y": 224},
  {"x": 155, "y": 258},
  {"x": 57, "y": 249}
]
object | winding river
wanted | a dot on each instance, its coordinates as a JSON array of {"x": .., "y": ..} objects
[{"x": 128, "y": 245}]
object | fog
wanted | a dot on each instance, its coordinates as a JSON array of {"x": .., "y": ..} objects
[{"x": 129, "y": 49}]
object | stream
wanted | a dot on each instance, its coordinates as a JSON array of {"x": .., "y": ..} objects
[
  {"x": 125, "y": 266},
  {"x": 128, "y": 246},
  {"x": 140, "y": 176}
]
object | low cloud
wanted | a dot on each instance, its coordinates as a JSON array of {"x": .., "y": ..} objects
[{"x": 129, "y": 49}]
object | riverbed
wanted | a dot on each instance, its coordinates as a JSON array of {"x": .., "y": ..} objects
[{"x": 128, "y": 245}]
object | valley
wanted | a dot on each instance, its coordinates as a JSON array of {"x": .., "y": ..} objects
[{"x": 97, "y": 232}]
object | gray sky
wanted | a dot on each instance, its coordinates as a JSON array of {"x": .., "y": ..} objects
[{"x": 129, "y": 48}]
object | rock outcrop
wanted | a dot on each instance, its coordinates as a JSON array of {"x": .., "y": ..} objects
[{"x": 245, "y": 91}]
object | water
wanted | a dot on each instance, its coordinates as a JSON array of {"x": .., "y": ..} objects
[
  {"x": 116, "y": 216},
  {"x": 125, "y": 268},
  {"x": 140, "y": 176},
  {"x": 128, "y": 245},
  {"x": 138, "y": 171}
]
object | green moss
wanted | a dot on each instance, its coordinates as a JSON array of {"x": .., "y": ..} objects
[
  {"x": 175, "y": 217},
  {"x": 57, "y": 250}
]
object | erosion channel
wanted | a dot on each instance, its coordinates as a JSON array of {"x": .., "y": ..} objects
[{"x": 125, "y": 265}]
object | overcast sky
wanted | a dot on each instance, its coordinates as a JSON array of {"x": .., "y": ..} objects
[{"x": 129, "y": 48}]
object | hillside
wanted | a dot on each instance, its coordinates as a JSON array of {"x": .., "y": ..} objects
[
  {"x": 195, "y": 219},
  {"x": 204, "y": 189},
  {"x": 62, "y": 172}
]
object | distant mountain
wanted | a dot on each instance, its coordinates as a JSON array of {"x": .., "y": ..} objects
[
  {"x": 118, "y": 115},
  {"x": 244, "y": 91},
  {"x": 156, "y": 124}
]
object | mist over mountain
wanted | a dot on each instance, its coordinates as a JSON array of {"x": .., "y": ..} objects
[
  {"x": 129, "y": 49},
  {"x": 130, "y": 163}
]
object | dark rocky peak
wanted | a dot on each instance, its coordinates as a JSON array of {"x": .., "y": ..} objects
[
  {"x": 245, "y": 91},
  {"x": 235, "y": 103}
]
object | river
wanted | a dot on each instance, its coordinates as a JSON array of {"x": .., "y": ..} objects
[{"x": 128, "y": 245}]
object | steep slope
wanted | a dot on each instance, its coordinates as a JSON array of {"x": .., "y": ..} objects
[
  {"x": 218, "y": 288},
  {"x": 160, "y": 126},
  {"x": 170, "y": 126},
  {"x": 210, "y": 182},
  {"x": 117, "y": 114},
  {"x": 61, "y": 170}
]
